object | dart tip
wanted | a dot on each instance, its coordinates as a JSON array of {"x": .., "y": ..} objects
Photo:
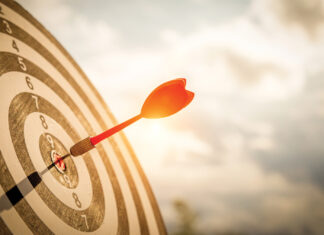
[{"x": 81, "y": 147}]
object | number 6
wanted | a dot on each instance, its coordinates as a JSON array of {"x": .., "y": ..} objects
[{"x": 29, "y": 84}]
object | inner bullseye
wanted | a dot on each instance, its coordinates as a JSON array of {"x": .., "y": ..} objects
[{"x": 58, "y": 161}]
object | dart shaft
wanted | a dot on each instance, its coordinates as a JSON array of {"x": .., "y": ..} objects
[
  {"x": 96, "y": 139},
  {"x": 89, "y": 143}
]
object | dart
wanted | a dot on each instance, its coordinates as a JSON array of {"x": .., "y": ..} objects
[{"x": 165, "y": 100}]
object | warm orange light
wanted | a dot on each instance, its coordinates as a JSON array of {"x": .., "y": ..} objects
[{"x": 165, "y": 100}]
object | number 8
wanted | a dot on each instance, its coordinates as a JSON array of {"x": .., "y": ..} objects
[
  {"x": 44, "y": 124},
  {"x": 76, "y": 200}
]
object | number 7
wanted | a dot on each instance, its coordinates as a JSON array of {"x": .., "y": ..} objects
[
  {"x": 36, "y": 100},
  {"x": 86, "y": 221}
]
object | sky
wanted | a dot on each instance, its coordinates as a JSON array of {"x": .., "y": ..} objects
[{"x": 246, "y": 155}]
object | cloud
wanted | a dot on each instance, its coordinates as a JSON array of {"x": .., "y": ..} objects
[
  {"x": 297, "y": 135},
  {"x": 307, "y": 14},
  {"x": 251, "y": 72}
]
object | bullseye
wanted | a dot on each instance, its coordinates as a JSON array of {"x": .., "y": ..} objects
[{"x": 58, "y": 161}]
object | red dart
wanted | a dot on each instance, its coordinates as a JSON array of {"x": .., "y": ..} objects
[{"x": 165, "y": 100}]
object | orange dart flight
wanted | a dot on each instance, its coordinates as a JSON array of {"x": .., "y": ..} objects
[{"x": 165, "y": 100}]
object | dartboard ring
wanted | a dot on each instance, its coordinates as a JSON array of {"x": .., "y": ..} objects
[{"x": 48, "y": 105}]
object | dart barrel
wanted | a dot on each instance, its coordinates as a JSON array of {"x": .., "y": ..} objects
[{"x": 81, "y": 147}]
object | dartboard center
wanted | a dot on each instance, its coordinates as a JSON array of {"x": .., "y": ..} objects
[{"x": 58, "y": 161}]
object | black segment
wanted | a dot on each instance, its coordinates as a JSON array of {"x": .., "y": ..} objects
[
  {"x": 34, "y": 179},
  {"x": 14, "y": 195}
]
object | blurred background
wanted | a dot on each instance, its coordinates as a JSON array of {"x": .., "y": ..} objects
[{"x": 247, "y": 155}]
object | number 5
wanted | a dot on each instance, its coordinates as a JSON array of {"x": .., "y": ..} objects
[{"x": 22, "y": 64}]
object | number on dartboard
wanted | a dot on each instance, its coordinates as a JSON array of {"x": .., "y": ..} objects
[
  {"x": 86, "y": 221},
  {"x": 50, "y": 140},
  {"x": 29, "y": 84},
  {"x": 22, "y": 64},
  {"x": 76, "y": 200},
  {"x": 44, "y": 124},
  {"x": 67, "y": 180},
  {"x": 36, "y": 101},
  {"x": 14, "y": 45},
  {"x": 8, "y": 29}
]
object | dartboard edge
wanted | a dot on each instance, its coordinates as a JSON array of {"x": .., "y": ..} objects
[{"x": 48, "y": 104}]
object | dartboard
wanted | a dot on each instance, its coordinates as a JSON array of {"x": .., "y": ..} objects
[{"x": 47, "y": 105}]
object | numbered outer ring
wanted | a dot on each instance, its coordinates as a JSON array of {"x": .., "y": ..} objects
[{"x": 129, "y": 182}]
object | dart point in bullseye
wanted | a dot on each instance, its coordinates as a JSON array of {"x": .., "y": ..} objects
[{"x": 165, "y": 100}]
